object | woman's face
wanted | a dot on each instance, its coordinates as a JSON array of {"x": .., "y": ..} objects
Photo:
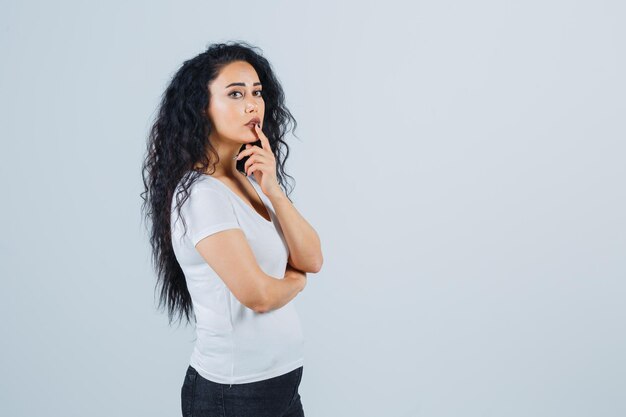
[{"x": 235, "y": 98}]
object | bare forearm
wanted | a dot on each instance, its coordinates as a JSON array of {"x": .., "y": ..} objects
[
  {"x": 279, "y": 292},
  {"x": 305, "y": 252}
]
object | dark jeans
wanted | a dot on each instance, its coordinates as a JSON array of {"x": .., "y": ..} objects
[{"x": 273, "y": 397}]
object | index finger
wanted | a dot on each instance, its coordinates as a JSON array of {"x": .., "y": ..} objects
[{"x": 265, "y": 143}]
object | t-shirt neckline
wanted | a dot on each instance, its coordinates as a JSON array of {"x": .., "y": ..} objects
[{"x": 251, "y": 181}]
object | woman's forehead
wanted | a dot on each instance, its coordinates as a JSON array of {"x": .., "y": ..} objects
[{"x": 239, "y": 73}]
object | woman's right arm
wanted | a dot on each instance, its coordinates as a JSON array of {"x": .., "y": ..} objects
[
  {"x": 284, "y": 290},
  {"x": 228, "y": 253}
]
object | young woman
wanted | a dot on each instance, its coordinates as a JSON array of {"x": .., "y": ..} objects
[{"x": 228, "y": 245}]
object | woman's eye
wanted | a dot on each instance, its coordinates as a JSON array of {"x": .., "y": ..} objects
[{"x": 257, "y": 91}]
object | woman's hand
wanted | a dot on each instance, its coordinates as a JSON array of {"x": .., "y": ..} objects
[
  {"x": 293, "y": 273},
  {"x": 261, "y": 163}
]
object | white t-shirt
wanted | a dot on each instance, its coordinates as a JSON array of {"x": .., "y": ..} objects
[{"x": 235, "y": 344}]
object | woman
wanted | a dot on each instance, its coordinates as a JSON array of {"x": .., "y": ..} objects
[{"x": 228, "y": 244}]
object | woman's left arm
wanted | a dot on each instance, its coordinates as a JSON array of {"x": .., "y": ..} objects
[{"x": 305, "y": 252}]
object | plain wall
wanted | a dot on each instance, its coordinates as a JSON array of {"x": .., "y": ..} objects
[{"x": 462, "y": 162}]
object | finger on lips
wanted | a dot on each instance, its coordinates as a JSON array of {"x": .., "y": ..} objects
[{"x": 249, "y": 146}]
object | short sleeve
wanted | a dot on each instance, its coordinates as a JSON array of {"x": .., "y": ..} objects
[{"x": 207, "y": 211}]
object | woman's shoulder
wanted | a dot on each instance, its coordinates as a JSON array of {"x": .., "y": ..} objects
[{"x": 204, "y": 184}]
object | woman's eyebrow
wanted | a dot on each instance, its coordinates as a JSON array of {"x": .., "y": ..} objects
[{"x": 241, "y": 84}]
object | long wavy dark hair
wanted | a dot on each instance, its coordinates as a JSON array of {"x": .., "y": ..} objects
[{"x": 179, "y": 150}]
